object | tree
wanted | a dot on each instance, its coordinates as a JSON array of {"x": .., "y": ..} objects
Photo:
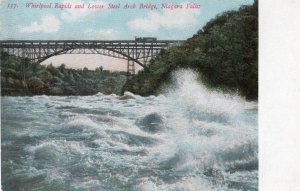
[
  {"x": 35, "y": 84},
  {"x": 45, "y": 76},
  {"x": 99, "y": 69},
  {"x": 62, "y": 68}
]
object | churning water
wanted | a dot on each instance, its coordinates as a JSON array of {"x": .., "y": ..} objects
[{"x": 190, "y": 138}]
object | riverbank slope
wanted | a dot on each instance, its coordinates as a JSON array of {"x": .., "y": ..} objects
[{"x": 224, "y": 53}]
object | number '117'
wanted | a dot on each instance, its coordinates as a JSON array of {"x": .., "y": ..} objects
[{"x": 11, "y": 6}]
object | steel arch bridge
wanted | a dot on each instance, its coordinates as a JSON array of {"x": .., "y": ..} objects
[{"x": 137, "y": 51}]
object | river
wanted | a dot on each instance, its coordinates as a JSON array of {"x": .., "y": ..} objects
[{"x": 188, "y": 138}]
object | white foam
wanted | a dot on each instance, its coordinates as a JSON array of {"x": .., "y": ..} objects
[{"x": 188, "y": 92}]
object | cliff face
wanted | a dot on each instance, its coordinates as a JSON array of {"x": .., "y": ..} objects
[{"x": 224, "y": 52}]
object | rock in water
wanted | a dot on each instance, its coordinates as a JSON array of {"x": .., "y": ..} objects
[
  {"x": 99, "y": 94},
  {"x": 215, "y": 174},
  {"x": 128, "y": 95},
  {"x": 151, "y": 123}
]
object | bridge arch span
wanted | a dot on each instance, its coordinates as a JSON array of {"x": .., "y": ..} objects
[{"x": 134, "y": 51}]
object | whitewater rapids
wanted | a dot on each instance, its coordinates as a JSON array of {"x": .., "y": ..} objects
[{"x": 189, "y": 138}]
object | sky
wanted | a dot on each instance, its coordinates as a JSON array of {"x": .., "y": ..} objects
[{"x": 106, "y": 24}]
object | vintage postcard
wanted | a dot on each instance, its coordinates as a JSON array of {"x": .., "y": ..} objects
[{"x": 102, "y": 95}]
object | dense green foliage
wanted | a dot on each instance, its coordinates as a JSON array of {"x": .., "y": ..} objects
[
  {"x": 19, "y": 77},
  {"x": 224, "y": 52}
]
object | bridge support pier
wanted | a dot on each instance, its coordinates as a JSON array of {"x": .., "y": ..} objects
[{"x": 130, "y": 69}]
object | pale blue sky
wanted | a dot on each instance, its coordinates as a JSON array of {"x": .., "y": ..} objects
[{"x": 23, "y": 23}]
